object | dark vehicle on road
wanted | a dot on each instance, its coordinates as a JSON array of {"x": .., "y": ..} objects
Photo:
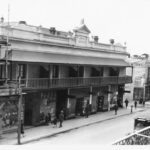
[{"x": 141, "y": 122}]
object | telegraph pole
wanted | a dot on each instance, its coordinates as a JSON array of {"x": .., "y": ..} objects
[
  {"x": 19, "y": 111},
  {"x": 6, "y": 53}
]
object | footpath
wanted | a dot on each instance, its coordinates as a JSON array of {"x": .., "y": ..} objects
[{"x": 41, "y": 132}]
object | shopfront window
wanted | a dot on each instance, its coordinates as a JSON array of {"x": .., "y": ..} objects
[
  {"x": 9, "y": 112},
  {"x": 137, "y": 93},
  {"x": 48, "y": 104}
]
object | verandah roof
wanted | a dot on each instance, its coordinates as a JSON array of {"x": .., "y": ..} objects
[{"x": 30, "y": 56}]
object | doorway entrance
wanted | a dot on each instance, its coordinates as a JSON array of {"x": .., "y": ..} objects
[
  {"x": 28, "y": 110},
  {"x": 120, "y": 95},
  {"x": 61, "y": 102}
]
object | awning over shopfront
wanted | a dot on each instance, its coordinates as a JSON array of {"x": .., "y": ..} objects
[{"x": 28, "y": 56}]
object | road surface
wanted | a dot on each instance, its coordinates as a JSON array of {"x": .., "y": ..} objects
[{"x": 100, "y": 133}]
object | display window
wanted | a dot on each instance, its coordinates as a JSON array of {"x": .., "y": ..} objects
[
  {"x": 48, "y": 104},
  {"x": 9, "y": 112}
]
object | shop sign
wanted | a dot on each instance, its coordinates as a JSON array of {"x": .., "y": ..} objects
[
  {"x": 71, "y": 96},
  {"x": 127, "y": 91},
  {"x": 7, "y": 92}
]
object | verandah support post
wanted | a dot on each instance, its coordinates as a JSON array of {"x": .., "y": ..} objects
[
  {"x": 68, "y": 100},
  {"x": 90, "y": 101},
  {"x": 109, "y": 89}
]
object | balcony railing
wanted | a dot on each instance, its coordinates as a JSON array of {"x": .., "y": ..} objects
[
  {"x": 44, "y": 83},
  {"x": 141, "y": 137}
]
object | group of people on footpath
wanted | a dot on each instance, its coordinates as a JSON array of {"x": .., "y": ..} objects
[
  {"x": 55, "y": 121},
  {"x": 60, "y": 118},
  {"x": 135, "y": 103},
  {"x": 47, "y": 121},
  {"x": 126, "y": 105},
  {"x": 127, "y": 102}
]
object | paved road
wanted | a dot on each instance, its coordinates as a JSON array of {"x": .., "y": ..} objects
[{"x": 101, "y": 133}]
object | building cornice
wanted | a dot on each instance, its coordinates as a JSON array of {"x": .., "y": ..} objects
[{"x": 68, "y": 46}]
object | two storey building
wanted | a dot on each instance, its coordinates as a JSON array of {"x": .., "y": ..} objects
[{"x": 59, "y": 71}]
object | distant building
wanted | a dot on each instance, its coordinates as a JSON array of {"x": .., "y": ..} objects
[
  {"x": 60, "y": 71},
  {"x": 140, "y": 74}
]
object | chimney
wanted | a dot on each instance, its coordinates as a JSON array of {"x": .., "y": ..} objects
[
  {"x": 112, "y": 41},
  {"x": 96, "y": 38},
  {"x": 52, "y": 30},
  {"x": 22, "y": 22}
]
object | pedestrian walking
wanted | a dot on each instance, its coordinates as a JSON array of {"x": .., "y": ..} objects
[
  {"x": 49, "y": 117},
  {"x": 55, "y": 122},
  {"x": 143, "y": 103},
  {"x": 126, "y": 102},
  {"x": 116, "y": 109},
  {"x": 131, "y": 109},
  {"x": 141, "y": 100},
  {"x": 61, "y": 118},
  {"x": 135, "y": 104},
  {"x": 87, "y": 110},
  {"x": 22, "y": 128},
  {"x": 46, "y": 119}
]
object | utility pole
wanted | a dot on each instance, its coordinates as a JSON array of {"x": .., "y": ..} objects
[
  {"x": 6, "y": 53},
  {"x": 19, "y": 111}
]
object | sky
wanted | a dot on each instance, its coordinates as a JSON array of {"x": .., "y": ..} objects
[{"x": 126, "y": 21}]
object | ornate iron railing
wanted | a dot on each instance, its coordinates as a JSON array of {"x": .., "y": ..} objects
[
  {"x": 45, "y": 83},
  {"x": 141, "y": 137},
  {"x": 74, "y": 82}
]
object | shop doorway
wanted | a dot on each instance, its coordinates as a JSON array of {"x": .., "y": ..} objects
[
  {"x": 120, "y": 95},
  {"x": 100, "y": 103},
  {"x": 79, "y": 106},
  {"x": 28, "y": 111},
  {"x": 61, "y": 102}
]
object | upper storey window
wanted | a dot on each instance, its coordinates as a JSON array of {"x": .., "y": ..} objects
[
  {"x": 55, "y": 71},
  {"x": 22, "y": 70},
  {"x": 76, "y": 71},
  {"x": 113, "y": 71},
  {"x": 96, "y": 72}
]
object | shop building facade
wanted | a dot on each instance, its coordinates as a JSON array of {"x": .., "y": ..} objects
[
  {"x": 62, "y": 70},
  {"x": 139, "y": 88}
]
